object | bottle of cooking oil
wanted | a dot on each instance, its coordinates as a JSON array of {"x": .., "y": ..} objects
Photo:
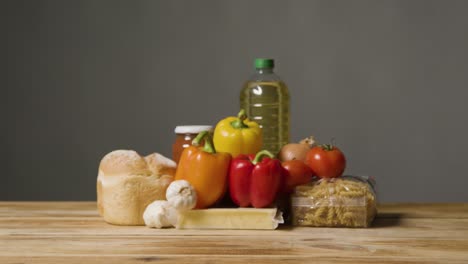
[{"x": 265, "y": 98}]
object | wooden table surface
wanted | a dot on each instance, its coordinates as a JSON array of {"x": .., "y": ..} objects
[{"x": 72, "y": 232}]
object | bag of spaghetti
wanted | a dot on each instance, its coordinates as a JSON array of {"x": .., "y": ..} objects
[{"x": 348, "y": 201}]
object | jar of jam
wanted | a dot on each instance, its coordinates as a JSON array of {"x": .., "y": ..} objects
[{"x": 184, "y": 137}]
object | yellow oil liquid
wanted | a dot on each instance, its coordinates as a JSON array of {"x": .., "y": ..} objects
[{"x": 267, "y": 103}]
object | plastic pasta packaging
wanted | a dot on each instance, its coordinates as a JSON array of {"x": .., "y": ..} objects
[{"x": 348, "y": 201}]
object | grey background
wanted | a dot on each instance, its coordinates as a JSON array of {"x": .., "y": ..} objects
[{"x": 387, "y": 79}]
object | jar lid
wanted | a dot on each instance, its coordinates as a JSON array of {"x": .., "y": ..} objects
[{"x": 192, "y": 129}]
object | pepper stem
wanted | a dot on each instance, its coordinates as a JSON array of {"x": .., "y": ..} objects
[
  {"x": 204, "y": 135},
  {"x": 239, "y": 122},
  {"x": 260, "y": 156}
]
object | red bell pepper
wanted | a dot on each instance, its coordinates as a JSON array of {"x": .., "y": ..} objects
[{"x": 255, "y": 180}]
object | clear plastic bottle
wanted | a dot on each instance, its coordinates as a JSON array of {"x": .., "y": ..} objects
[{"x": 265, "y": 98}]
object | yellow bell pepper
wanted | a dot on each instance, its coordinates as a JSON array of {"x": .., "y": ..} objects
[{"x": 238, "y": 135}]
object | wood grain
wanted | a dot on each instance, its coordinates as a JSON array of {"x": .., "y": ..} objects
[{"x": 72, "y": 232}]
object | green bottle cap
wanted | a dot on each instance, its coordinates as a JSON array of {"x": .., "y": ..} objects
[{"x": 264, "y": 63}]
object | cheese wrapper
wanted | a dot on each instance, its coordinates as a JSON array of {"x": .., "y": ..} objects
[{"x": 230, "y": 218}]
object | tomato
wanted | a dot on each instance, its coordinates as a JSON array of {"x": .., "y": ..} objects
[
  {"x": 326, "y": 161},
  {"x": 296, "y": 172}
]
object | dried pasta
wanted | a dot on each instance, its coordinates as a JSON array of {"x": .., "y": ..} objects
[{"x": 348, "y": 201}]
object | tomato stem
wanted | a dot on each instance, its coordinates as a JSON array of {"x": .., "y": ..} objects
[{"x": 327, "y": 147}]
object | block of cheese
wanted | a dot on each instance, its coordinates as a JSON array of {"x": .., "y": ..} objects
[{"x": 230, "y": 218}]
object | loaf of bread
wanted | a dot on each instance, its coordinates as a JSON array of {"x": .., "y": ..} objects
[{"x": 128, "y": 182}]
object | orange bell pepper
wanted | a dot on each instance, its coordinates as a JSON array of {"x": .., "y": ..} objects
[{"x": 205, "y": 169}]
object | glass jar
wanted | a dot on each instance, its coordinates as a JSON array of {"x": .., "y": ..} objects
[{"x": 184, "y": 137}]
